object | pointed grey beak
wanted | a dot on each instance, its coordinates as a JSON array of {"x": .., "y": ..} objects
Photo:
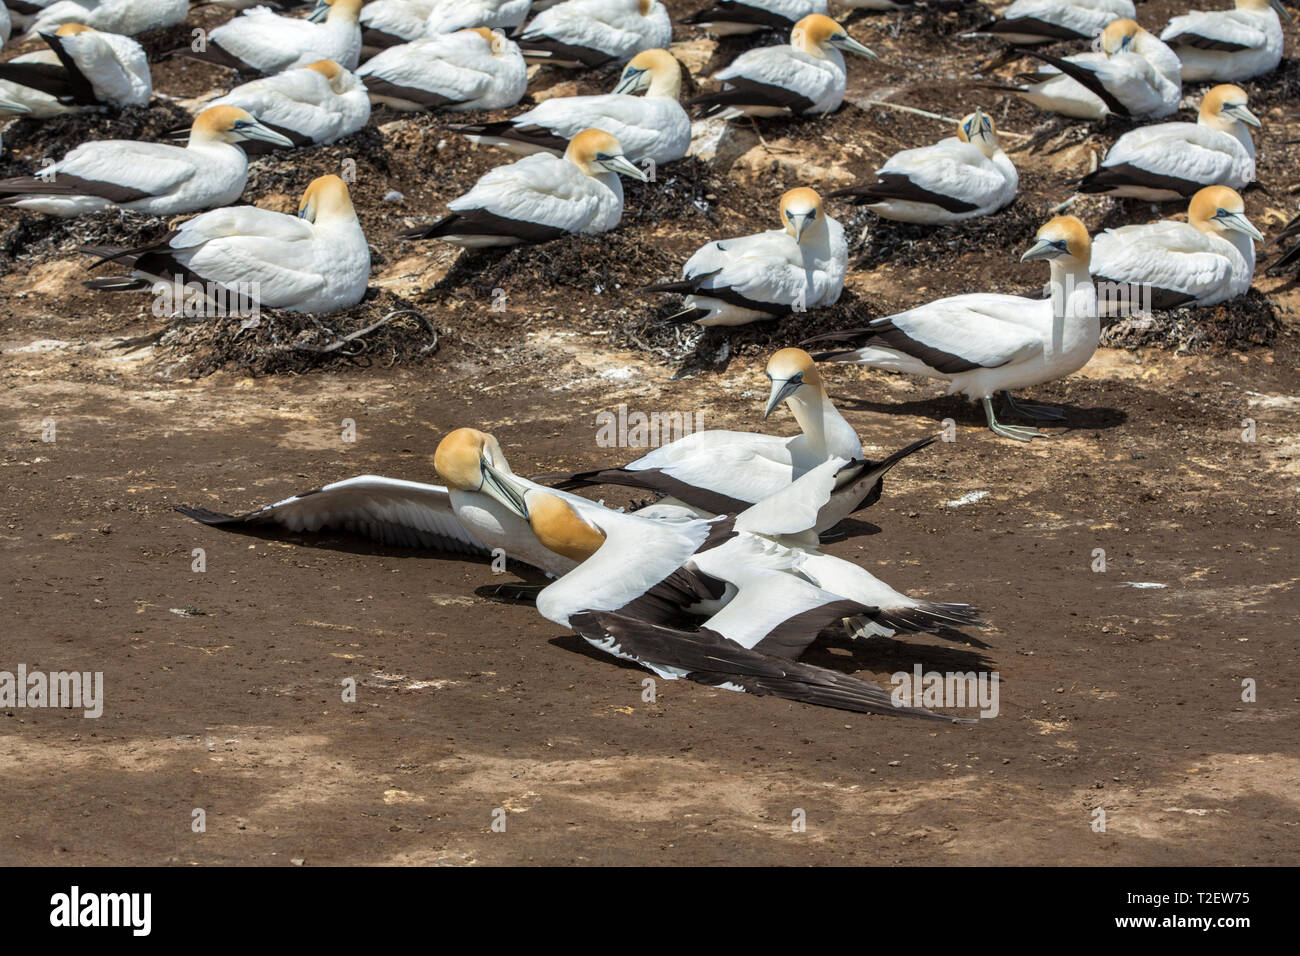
[
  {"x": 1238, "y": 222},
  {"x": 624, "y": 166},
  {"x": 497, "y": 485},
  {"x": 9, "y": 106},
  {"x": 1044, "y": 249},
  {"x": 801, "y": 221},
  {"x": 630, "y": 82},
  {"x": 1242, "y": 112},
  {"x": 1281, "y": 10},
  {"x": 259, "y": 132},
  {"x": 782, "y": 388},
  {"x": 850, "y": 45},
  {"x": 319, "y": 12}
]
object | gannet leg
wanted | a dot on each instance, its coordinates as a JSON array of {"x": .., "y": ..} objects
[
  {"x": 1038, "y": 413},
  {"x": 1018, "y": 432}
]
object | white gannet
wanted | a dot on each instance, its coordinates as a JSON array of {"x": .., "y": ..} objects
[
  {"x": 983, "y": 343},
  {"x": 260, "y": 41},
  {"x": 83, "y": 68},
  {"x": 652, "y": 127},
  {"x": 386, "y": 23},
  {"x": 316, "y": 261},
  {"x": 724, "y": 472},
  {"x": 1174, "y": 160},
  {"x": 540, "y": 197},
  {"x": 125, "y": 17},
  {"x": 1134, "y": 75},
  {"x": 1204, "y": 261},
  {"x": 731, "y": 17},
  {"x": 590, "y": 33},
  {"x": 315, "y": 104},
  {"x": 474, "y": 69},
  {"x": 448, "y": 16},
  {"x": 1027, "y": 22},
  {"x": 769, "y": 274},
  {"x": 957, "y": 178},
  {"x": 1227, "y": 45},
  {"x": 152, "y": 178},
  {"x": 805, "y": 76}
]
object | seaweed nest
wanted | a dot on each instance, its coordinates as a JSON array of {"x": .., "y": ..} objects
[{"x": 1248, "y": 321}]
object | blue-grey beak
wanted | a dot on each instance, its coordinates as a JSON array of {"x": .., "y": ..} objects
[
  {"x": 782, "y": 388},
  {"x": 319, "y": 12},
  {"x": 1237, "y": 222},
  {"x": 630, "y": 81},
  {"x": 1045, "y": 249}
]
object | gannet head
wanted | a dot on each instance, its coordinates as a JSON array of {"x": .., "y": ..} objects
[
  {"x": 644, "y": 7},
  {"x": 326, "y": 198},
  {"x": 471, "y": 460},
  {"x": 1261, "y": 5},
  {"x": 1064, "y": 238},
  {"x": 72, "y": 29},
  {"x": 230, "y": 124},
  {"x": 1120, "y": 36},
  {"x": 978, "y": 128},
  {"x": 331, "y": 71},
  {"x": 816, "y": 31},
  {"x": 1224, "y": 106},
  {"x": 657, "y": 70},
  {"x": 792, "y": 371},
  {"x": 801, "y": 209},
  {"x": 594, "y": 151},
  {"x": 1219, "y": 209},
  {"x": 561, "y": 529},
  {"x": 496, "y": 40},
  {"x": 335, "y": 10}
]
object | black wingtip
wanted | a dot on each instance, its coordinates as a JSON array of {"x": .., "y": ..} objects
[{"x": 204, "y": 516}]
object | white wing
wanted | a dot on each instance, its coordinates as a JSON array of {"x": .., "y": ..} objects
[
  {"x": 541, "y": 188},
  {"x": 744, "y": 466},
  {"x": 154, "y": 168},
  {"x": 457, "y": 66},
  {"x": 1243, "y": 32},
  {"x": 950, "y": 168},
  {"x": 1167, "y": 255},
  {"x": 1186, "y": 151}
]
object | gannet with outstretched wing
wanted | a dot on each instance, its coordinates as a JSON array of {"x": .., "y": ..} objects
[
  {"x": 1228, "y": 45},
  {"x": 1027, "y": 22},
  {"x": 83, "y": 68},
  {"x": 474, "y": 69},
  {"x": 315, "y": 104},
  {"x": 590, "y": 33},
  {"x": 732, "y": 17},
  {"x": 260, "y": 41}
]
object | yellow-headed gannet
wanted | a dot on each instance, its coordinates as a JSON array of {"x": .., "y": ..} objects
[
  {"x": 474, "y": 69},
  {"x": 805, "y": 76},
  {"x": 315, "y": 104},
  {"x": 957, "y": 178},
  {"x": 1204, "y": 261},
  {"x": 1174, "y": 160},
  {"x": 731, "y": 17},
  {"x": 769, "y": 274},
  {"x": 153, "y": 178},
  {"x": 652, "y": 127},
  {"x": 1228, "y": 45},
  {"x": 125, "y": 17},
  {"x": 1027, "y": 22},
  {"x": 83, "y": 68},
  {"x": 260, "y": 41},
  {"x": 540, "y": 197},
  {"x": 983, "y": 343},
  {"x": 316, "y": 262},
  {"x": 588, "y": 33}
]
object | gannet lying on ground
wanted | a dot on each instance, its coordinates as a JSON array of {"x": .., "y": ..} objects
[
  {"x": 590, "y": 33},
  {"x": 83, "y": 68},
  {"x": 769, "y": 274},
  {"x": 1204, "y": 261},
  {"x": 260, "y": 41},
  {"x": 316, "y": 262},
  {"x": 731, "y": 17},
  {"x": 1228, "y": 45},
  {"x": 723, "y": 472},
  {"x": 1027, "y": 22},
  {"x": 386, "y": 23},
  {"x": 1134, "y": 75},
  {"x": 1175, "y": 160},
  {"x": 126, "y": 17},
  {"x": 476, "y": 69},
  {"x": 315, "y": 104},
  {"x": 540, "y": 197},
  {"x": 152, "y": 178},
  {"x": 652, "y": 127},
  {"x": 804, "y": 77},
  {"x": 448, "y": 16},
  {"x": 957, "y": 178},
  {"x": 984, "y": 343}
]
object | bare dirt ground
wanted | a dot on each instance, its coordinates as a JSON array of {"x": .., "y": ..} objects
[{"x": 223, "y": 688}]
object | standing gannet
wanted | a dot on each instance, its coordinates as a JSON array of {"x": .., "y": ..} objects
[
  {"x": 652, "y": 127},
  {"x": 1204, "y": 261},
  {"x": 152, "y": 178},
  {"x": 315, "y": 104},
  {"x": 1228, "y": 45},
  {"x": 1027, "y": 22},
  {"x": 316, "y": 261},
  {"x": 475, "y": 69},
  {"x": 984, "y": 343},
  {"x": 805, "y": 76},
  {"x": 957, "y": 178},
  {"x": 1175, "y": 160},
  {"x": 769, "y": 274},
  {"x": 732, "y": 17},
  {"x": 590, "y": 33},
  {"x": 83, "y": 68},
  {"x": 124, "y": 17},
  {"x": 540, "y": 197},
  {"x": 260, "y": 41},
  {"x": 1134, "y": 75}
]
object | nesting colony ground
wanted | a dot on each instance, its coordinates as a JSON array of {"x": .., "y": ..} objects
[{"x": 223, "y": 687}]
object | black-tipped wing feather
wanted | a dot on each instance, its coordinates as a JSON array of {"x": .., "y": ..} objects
[{"x": 897, "y": 186}]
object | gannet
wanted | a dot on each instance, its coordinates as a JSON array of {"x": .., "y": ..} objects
[
  {"x": 260, "y": 41},
  {"x": 125, "y": 17},
  {"x": 1027, "y": 22},
  {"x": 731, "y": 17},
  {"x": 475, "y": 69},
  {"x": 386, "y": 23},
  {"x": 83, "y": 68},
  {"x": 1134, "y": 75},
  {"x": 590, "y": 33},
  {"x": 315, "y": 104},
  {"x": 1204, "y": 261},
  {"x": 957, "y": 178},
  {"x": 653, "y": 127},
  {"x": 152, "y": 178},
  {"x": 448, "y": 16},
  {"x": 769, "y": 274},
  {"x": 984, "y": 343},
  {"x": 540, "y": 197},
  {"x": 805, "y": 76},
  {"x": 6, "y": 25},
  {"x": 316, "y": 262},
  {"x": 1227, "y": 45},
  {"x": 1175, "y": 160},
  {"x": 723, "y": 472}
]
